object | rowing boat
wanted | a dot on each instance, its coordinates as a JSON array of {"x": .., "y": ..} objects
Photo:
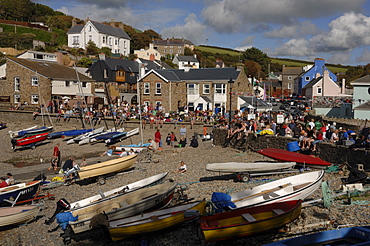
[
  {"x": 92, "y": 138},
  {"x": 235, "y": 167},
  {"x": 249, "y": 221},
  {"x": 18, "y": 192},
  {"x": 30, "y": 140},
  {"x": 18, "y": 215},
  {"x": 120, "y": 136}
]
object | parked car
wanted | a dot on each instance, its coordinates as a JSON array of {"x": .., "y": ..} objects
[{"x": 284, "y": 106}]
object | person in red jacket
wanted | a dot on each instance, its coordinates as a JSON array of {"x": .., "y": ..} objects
[
  {"x": 158, "y": 138},
  {"x": 3, "y": 183}
]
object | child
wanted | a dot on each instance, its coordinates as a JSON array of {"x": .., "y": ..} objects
[
  {"x": 182, "y": 168},
  {"x": 53, "y": 164},
  {"x": 168, "y": 139}
]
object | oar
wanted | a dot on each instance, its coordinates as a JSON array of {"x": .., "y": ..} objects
[{"x": 264, "y": 192}]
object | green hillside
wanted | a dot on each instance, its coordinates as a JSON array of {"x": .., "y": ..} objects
[
  {"x": 215, "y": 50},
  {"x": 295, "y": 63}
]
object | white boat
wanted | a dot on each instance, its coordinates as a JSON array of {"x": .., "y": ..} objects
[
  {"x": 153, "y": 180},
  {"x": 91, "y": 138},
  {"x": 127, "y": 135},
  {"x": 129, "y": 204},
  {"x": 85, "y": 135},
  {"x": 240, "y": 167},
  {"x": 296, "y": 187},
  {"x": 18, "y": 215},
  {"x": 14, "y": 134}
]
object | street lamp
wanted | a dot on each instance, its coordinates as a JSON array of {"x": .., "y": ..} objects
[{"x": 230, "y": 82}]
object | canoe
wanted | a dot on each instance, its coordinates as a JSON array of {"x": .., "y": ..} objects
[
  {"x": 284, "y": 155},
  {"x": 147, "y": 182},
  {"x": 356, "y": 236},
  {"x": 85, "y": 135},
  {"x": 69, "y": 133},
  {"x": 92, "y": 137},
  {"x": 18, "y": 192},
  {"x": 295, "y": 187},
  {"x": 249, "y": 221},
  {"x": 36, "y": 131},
  {"x": 18, "y": 215},
  {"x": 120, "y": 136},
  {"x": 14, "y": 134},
  {"x": 236, "y": 167},
  {"x": 111, "y": 166},
  {"x": 30, "y": 140},
  {"x": 129, "y": 204},
  {"x": 153, "y": 221}
]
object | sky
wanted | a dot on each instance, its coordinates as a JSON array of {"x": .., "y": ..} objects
[{"x": 336, "y": 30}]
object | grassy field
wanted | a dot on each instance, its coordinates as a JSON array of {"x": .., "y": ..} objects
[{"x": 217, "y": 50}]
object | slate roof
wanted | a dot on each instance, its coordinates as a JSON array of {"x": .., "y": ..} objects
[
  {"x": 206, "y": 99},
  {"x": 187, "y": 58},
  {"x": 117, "y": 64},
  {"x": 102, "y": 28},
  {"x": 203, "y": 74},
  {"x": 51, "y": 70},
  {"x": 174, "y": 42},
  {"x": 312, "y": 82},
  {"x": 364, "y": 106},
  {"x": 292, "y": 70},
  {"x": 362, "y": 79}
]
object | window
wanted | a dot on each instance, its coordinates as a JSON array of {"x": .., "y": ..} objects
[
  {"x": 307, "y": 78},
  {"x": 179, "y": 51},
  {"x": 165, "y": 51},
  {"x": 220, "y": 88},
  {"x": 116, "y": 41},
  {"x": 179, "y": 47},
  {"x": 192, "y": 89},
  {"x": 289, "y": 86},
  {"x": 16, "y": 83},
  {"x": 319, "y": 90},
  {"x": 200, "y": 106},
  {"x": 206, "y": 88},
  {"x": 165, "y": 46},
  {"x": 124, "y": 44},
  {"x": 76, "y": 40},
  {"x": 84, "y": 84},
  {"x": 171, "y": 46},
  {"x": 68, "y": 83},
  {"x": 146, "y": 88},
  {"x": 147, "y": 103},
  {"x": 158, "y": 88},
  {"x": 34, "y": 99},
  {"x": 103, "y": 40},
  {"x": 110, "y": 41},
  {"x": 17, "y": 98},
  {"x": 171, "y": 51},
  {"x": 90, "y": 37},
  {"x": 34, "y": 81},
  {"x": 105, "y": 73},
  {"x": 290, "y": 77},
  {"x": 89, "y": 28}
]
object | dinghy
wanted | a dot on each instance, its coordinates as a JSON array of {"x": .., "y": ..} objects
[
  {"x": 18, "y": 192},
  {"x": 85, "y": 135},
  {"x": 29, "y": 141},
  {"x": 18, "y": 215},
  {"x": 92, "y": 138},
  {"x": 69, "y": 133},
  {"x": 236, "y": 167},
  {"x": 14, "y": 134},
  {"x": 120, "y": 136}
]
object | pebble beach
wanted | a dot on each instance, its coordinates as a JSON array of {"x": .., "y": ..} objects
[{"x": 197, "y": 183}]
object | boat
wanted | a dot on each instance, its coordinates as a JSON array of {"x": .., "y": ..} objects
[
  {"x": 249, "y": 221},
  {"x": 29, "y": 141},
  {"x": 295, "y": 187},
  {"x": 18, "y": 192},
  {"x": 85, "y": 135},
  {"x": 18, "y": 215},
  {"x": 285, "y": 155},
  {"x": 136, "y": 147},
  {"x": 119, "y": 207},
  {"x": 14, "y": 134},
  {"x": 91, "y": 138},
  {"x": 239, "y": 167},
  {"x": 69, "y": 133},
  {"x": 120, "y": 136},
  {"x": 356, "y": 236},
  {"x": 153, "y": 180},
  {"x": 102, "y": 168},
  {"x": 2, "y": 125},
  {"x": 154, "y": 221},
  {"x": 36, "y": 131}
]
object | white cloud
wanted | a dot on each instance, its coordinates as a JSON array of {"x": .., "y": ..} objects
[
  {"x": 246, "y": 44},
  {"x": 295, "y": 30},
  {"x": 192, "y": 30},
  {"x": 339, "y": 58}
]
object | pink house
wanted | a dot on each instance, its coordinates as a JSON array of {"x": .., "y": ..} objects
[{"x": 322, "y": 86}]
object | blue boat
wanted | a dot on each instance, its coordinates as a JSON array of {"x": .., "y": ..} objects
[
  {"x": 18, "y": 192},
  {"x": 358, "y": 236},
  {"x": 32, "y": 132},
  {"x": 69, "y": 133}
]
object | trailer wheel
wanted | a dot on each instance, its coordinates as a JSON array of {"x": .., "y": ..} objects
[
  {"x": 243, "y": 177},
  {"x": 33, "y": 147},
  {"x": 101, "y": 180}
]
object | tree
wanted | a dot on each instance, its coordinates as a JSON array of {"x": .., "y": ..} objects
[
  {"x": 256, "y": 55},
  {"x": 91, "y": 48},
  {"x": 253, "y": 69},
  {"x": 152, "y": 34},
  {"x": 106, "y": 51},
  {"x": 85, "y": 62}
]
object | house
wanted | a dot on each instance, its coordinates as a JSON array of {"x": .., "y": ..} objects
[
  {"x": 288, "y": 76},
  {"x": 172, "y": 46},
  {"x": 361, "y": 98},
  {"x": 322, "y": 86},
  {"x": 186, "y": 61},
  {"x": 311, "y": 72},
  {"x": 148, "y": 54},
  {"x": 197, "y": 89},
  {"x": 114, "y": 38},
  {"x": 38, "y": 82},
  {"x": 116, "y": 79}
]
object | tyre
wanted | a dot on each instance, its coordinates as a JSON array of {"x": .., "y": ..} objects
[{"x": 101, "y": 181}]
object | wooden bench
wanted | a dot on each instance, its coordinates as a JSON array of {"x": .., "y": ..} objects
[
  {"x": 248, "y": 217},
  {"x": 278, "y": 211}
]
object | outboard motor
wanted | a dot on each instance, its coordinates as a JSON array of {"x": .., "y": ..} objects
[{"x": 62, "y": 205}]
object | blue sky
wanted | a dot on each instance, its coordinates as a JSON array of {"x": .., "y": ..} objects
[{"x": 336, "y": 30}]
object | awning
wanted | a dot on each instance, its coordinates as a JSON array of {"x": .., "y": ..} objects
[{"x": 85, "y": 94}]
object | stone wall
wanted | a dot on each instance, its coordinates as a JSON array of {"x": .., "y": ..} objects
[{"x": 332, "y": 153}]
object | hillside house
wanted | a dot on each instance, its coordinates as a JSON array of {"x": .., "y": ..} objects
[
  {"x": 186, "y": 61},
  {"x": 148, "y": 54},
  {"x": 288, "y": 76},
  {"x": 172, "y": 46}
]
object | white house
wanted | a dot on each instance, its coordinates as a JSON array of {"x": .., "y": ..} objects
[
  {"x": 148, "y": 54},
  {"x": 361, "y": 98},
  {"x": 102, "y": 35},
  {"x": 186, "y": 61}
]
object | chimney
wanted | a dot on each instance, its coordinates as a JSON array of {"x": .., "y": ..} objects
[
  {"x": 87, "y": 20},
  {"x": 102, "y": 56},
  {"x": 59, "y": 57},
  {"x": 120, "y": 25},
  {"x": 151, "y": 57},
  {"x": 74, "y": 22},
  {"x": 343, "y": 86},
  {"x": 112, "y": 23},
  {"x": 195, "y": 56},
  {"x": 186, "y": 69}
]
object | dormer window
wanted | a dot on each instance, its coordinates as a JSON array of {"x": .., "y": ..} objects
[{"x": 307, "y": 78}]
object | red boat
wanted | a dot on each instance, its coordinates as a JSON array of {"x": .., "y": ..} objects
[
  {"x": 29, "y": 141},
  {"x": 284, "y": 155}
]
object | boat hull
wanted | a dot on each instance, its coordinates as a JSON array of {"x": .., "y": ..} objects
[
  {"x": 18, "y": 215},
  {"x": 126, "y": 205},
  {"x": 233, "y": 224},
  {"x": 14, "y": 134},
  {"x": 85, "y": 135},
  {"x": 235, "y": 167},
  {"x": 21, "y": 192},
  {"x": 152, "y": 221},
  {"x": 106, "y": 167},
  {"x": 31, "y": 139}
]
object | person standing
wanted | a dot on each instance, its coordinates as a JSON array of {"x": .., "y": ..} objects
[
  {"x": 172, "y": 139},
  {"x": 158, "y": 138},
  {"x": 183, "y": 131},
  {"x": 57, "y": 156}
]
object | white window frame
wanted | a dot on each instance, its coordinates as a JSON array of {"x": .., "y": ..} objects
[
  {"x": 289, "y": 86},
  {"x": 158, "y": 88},
  {"x": 103, "y": 40},
  {"x": 76, "y": 40},
  {"x": 146, "y": 88},
  {"x": 90, "y": 37},
  {"x": 307, "y": 78},
  {"x": 220, "y": 88},
  {"x": 17, "y": 83},
  {"x": 17, "y": 98},
  {"x": 206, "y": 88},
  {"x": 34, "y": 81},
  {"x": 319, "y": 90},
  {"x": 147, "y": 103},
  {"x": 290, "y": 77},
  {"x": 34, "y": 99},
  {"x": 192, "y": 89}
]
